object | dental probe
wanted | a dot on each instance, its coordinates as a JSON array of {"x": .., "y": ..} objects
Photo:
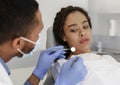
[{"x": 73, "y": 49}]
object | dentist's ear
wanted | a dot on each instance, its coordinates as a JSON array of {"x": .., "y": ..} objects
[{"x": 18, "y": 43}]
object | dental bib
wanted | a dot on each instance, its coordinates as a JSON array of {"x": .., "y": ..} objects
[{"x": 102, "y": 70}]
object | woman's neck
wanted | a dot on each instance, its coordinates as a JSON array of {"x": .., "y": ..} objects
[{"x": 76, "y": 53}]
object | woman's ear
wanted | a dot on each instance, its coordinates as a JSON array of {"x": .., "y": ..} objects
[
  {"x": 18, "y": 43},
  {"x": 64, "y": 38}
]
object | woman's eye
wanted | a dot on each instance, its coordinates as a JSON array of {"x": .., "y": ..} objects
[
  {"x": 86, "y": 27},
  {"x": 73, "y": 30}
]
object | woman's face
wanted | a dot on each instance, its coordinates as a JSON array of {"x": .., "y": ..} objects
[{"x": 77, "y": 32}]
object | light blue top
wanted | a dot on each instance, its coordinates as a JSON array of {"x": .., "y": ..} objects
[{"x": 5, "y": 66}]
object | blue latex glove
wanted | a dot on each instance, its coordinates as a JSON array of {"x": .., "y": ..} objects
[
  {"x": 46, "y": 59},
  {"x": 72, "y": 72}
]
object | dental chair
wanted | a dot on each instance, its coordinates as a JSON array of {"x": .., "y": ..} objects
[
  {"x": 50, "y": 38},
  {"x": 49, "y": 43}
]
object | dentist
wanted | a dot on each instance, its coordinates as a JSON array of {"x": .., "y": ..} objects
[{"x": 20, "y": 25}]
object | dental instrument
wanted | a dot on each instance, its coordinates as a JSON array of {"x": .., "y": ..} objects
[{"x": 72, "y": 49}]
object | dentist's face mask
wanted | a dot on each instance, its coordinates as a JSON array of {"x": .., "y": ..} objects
[{"x": 27, "y": 54}]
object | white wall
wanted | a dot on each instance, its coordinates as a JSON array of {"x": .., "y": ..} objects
[
  {"x": 20, "y": 75},
  {"x": 101, "y": 6}
]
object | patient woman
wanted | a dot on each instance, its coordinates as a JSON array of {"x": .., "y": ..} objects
[{"x": 72, "y": 28}]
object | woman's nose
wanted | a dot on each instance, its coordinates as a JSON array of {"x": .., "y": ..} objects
[{"x": 82, "y": 34}]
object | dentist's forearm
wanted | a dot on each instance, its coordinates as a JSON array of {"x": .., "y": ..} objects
[{"x": 32, "y": 80}]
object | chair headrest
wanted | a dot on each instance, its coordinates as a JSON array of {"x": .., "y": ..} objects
[{"x": 50, "y": 38}]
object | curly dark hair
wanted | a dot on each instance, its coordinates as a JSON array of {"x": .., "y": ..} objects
[
  {"x": 17, "y": 18},
  {"x": 60, "y": 20}
]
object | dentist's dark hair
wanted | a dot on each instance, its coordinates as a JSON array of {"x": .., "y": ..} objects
[{"x": 17, "y": 18}]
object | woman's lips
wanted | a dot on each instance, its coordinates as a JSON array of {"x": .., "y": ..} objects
[{"x": 84, "y": 41}]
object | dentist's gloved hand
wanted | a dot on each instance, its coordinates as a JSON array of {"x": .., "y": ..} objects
[
  {"x": 72, "y": 72},
  {"x": 46, "y": 59}
]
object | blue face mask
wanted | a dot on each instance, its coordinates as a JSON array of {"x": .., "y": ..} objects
[{"x": 27, "y": 54}]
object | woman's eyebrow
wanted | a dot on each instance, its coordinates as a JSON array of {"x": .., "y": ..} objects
[
  {"x": 84, "y": 21},
  {"x": 72, "y": 25}
]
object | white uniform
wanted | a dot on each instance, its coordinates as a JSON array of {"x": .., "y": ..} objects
[
  {"x": 102, "y": 70},
  {"x": 4, "y": 77}
]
